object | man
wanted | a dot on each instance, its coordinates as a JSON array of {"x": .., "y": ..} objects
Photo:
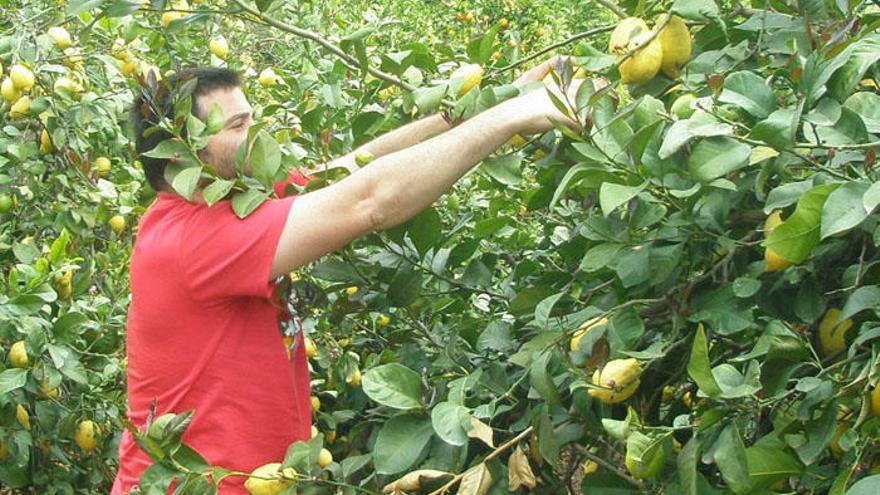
[{"x": 202, "y": 329}]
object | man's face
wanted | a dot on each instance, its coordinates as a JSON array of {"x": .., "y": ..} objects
[{"x": 237, "y": 112}]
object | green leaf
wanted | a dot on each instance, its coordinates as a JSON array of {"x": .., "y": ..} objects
[
  {"x": 215, "y": 121},
  {"x": 867, "y": 297},
  {"x": 777, "y": 130},
  {"x": 12, "y": 379},
  {"x": 697, "y": 10},
  {"x": 867, "y": 106},
  {"x": 786, "y": 194},
  {"x": 686, "y": 463},
  {"x": 730, "y": 456},
  {"x": 584, "y": 174},
  {"x": 265, "y": 159},
  {"x": 866, "y": 486},
  {"x": 451, "y": 422},
  {"x": 613, "y": 195},
  {"x": 750, "y": 92},
  {"x": 844, "y": 208},
  {"x": 545, "y": 309},
  {"x": 217, "y": 190},
  {"x": 796, "y": 237},
  {"x": 504, "y": 169},
  {"x": 428, "y": 99},
  {"x": 849, "y": 129},
  {"x": 540, "y": 378},
  {"x": 406, "y": 287},
  {"x": 425, "y": 229},
  {"x": 716, "y": 157},
  {"x": 400, "y": 442},
  {"x": 184, "y": 180},
  {"x": 244, "y": 203},
  {"x": 699, "y": 367},
  {"x": 700, "y": 124},
  {"x": 768, "y": 465},
  {"x": 263, "y": 5},
  {"x": 156, "y": 479},
  {"x": 393, "y": 385},
  {"x": 336, "y": 271},
  {"x": 860, "y": 57},
  {"x": 67, "y": 362},
  {"x": 170, "y": 149}
]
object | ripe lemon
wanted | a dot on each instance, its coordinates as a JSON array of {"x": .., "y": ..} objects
[
  {"x": 503, "y": 22},
  {"x": 644, "y": 64},
  {"x": 117, "y": 223},
  {"x": 311, "y": 347},
  {"x": 18, "y": 356},
  {"x": 45, "y": 142},
  {"x": 219, "y": 47},
  {"x": 60, "y": 37},
  {"x": 73, "y": 58},
  {"x": 316, "y": 403},
  {"x": 9, "y": 91},
  {"x": 314, "y": 431},
  {"x": 590, "y": 467},
  {"x": 20, "y": 108},
  {"x": 517, "y": 141},
  {"x": 351, "y": 290},
  {"x": 128, "y": 67},
  {"x": 354, "y": 379},
  {"x": 772, "y": 261},
  {"x": 330, "y": 436},
  {"x": 325, "y": 458},
  {"x": 675, "y": 41},
  {"x": 619, "y": 379},
  {"x": 45, "y": 391},
  {"x": 383, "y": 320},
  {"x": 832, "y": 335},
  {"x": 623, "y": 33},
  {"x": 875, "y": 400},
  {"x": 69, "y": 85},
  {"x": 267, "y": 78},
  {"x": 257, "y": 485},
  {"x": 85, "y": 436},
  {"x": 23, "y": 417},
  {"x": 22, "y": 77},
  {"x": 470, "y": 74},
  {"x": 586, "y": 327},
  {"x": 102, "y": 166}
]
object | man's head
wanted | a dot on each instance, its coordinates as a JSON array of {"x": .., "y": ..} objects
[{"x": 215, "y": 85}]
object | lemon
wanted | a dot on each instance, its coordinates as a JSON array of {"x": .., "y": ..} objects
[
  {"x": 20, "y": 108},
  {"x": 69, "y": 85},
  {"x": 619, "y": 379},
  {"x": 586, "y": 327},
  {"x": 102, "y": 166},
  {"x": 875, "y": 400},
  {"x": 517, "y": 141},
  {"x": 45, "y": 142},
  {"x": 22, "y": 77},
  {"x": 354, "y": 379},
  {"x": 6, "y": 203},
  {"x": 9, "y": 91},
  {"x": 772, "y": 261},
  {"x": 18, "y": 356},
  {"x": 127, "y": 68},
  {"x": 257, "y": 485},
  {"x": 351, "y": 290},
  {"x": 85, "y": 436},
  {"x": 470, "y": 74},
  {"x": 60, "y": 37},
  {"x": 623, "y": 33},
  {"x": 383, "y": 320},
  {"x": 666, "y": 394},
  {"x": 643, "y": 65},
  {"x": 267, "y": 78},
  {"x": 325, "y": 458},
  {"x": 589, "y": 467},
  {"x": 503, "y": 22},
  {"x": 316, "y": 403},
  {"x": 73, "y": 58},
  {"x": 314, "y": 431},
  {"x": 675, "y": 41},
  {"x": 311, "y": 347},
  {"x": 643, "y": 467},
  {"x": 45, "y": 391},
  {"x": 832, "y": 335},
  {"x": 219, "y": 47},
  {"x": 23, "y": 417},
  {"x": 681, "y": 107},
  {"x": 117, "y": 223},
  {"x": 363, "y": 157},
  {"x": 330, "y": 436}
]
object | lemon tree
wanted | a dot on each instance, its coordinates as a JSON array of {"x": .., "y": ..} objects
[{"x": 680, "y": 298}]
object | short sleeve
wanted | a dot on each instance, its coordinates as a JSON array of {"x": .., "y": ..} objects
[
  {"x": 296, "y": 177},
  {"x": 225, "y": 256}
]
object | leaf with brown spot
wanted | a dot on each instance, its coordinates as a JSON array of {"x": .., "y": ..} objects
[
  {"x": 519, "y": 472},
  {"x": 481, "y": 431},
  {"x": 413, "y": 481},
  {"x": 476, "y": 481}
]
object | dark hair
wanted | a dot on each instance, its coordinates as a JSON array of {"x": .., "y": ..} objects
[{"x": 147, "y": 110}]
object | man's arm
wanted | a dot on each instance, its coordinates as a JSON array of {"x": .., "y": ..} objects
[{"x": 397, "y": 186}]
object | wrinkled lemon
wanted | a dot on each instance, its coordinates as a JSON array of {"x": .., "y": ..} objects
[{"x": 619, "y": 379}]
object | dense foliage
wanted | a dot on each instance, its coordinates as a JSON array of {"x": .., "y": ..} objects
[{"x": 708, "y": 241}]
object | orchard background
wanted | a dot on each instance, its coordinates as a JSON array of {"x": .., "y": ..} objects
[{"x": 444, "y": 347}]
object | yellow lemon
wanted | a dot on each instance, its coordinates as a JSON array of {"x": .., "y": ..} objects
[
  {"x": 772, "y": 261},
  {"x": 675, "y": 41},
  {"x": 127, "y": 68},
  {"x": 470, "y": 74},
  {"x": 219, "y": 47},
  {"x": 23, "y": 417},
  {"x": 117, "y": 223},
  {"x": 60, "y": 37},
  {"x": 316, "y": 403},
  {"x": 102, "y": 166},
  {"x": 85, "y": 436},
  {"x": 314, "y": 431},
  {"x": 330, "y": 436},
  {"x": 351, "y": 290},
  {"x": 325, "y": 458},
  {"x": 590, "y": 467},
  {"x": 586, "y": 327},
  {"x": 22, "y": 77},
  {"x": 644, "y": 64},
  {"x": 18, "y": 356},
  {"x": 311, "y": 347},
  {"x": 623, "y": 33},
  {"x": 266, "y": 480},
  {"x": 832, "y": 335},
  {"x": 69, "y": 85},
  {"x": 45, "y": 142},
  {"x": 20, "y": 108},
  {"x": 73, "y": 58},
  {"x": 45, "y": 391},
  {"x": 9, "y": 91},
  {"x": 383, "y": 320},
  {"x": 619, "y": 379},
  {"x": 267, "y": 78},
  {"x": 517, "y": 141},
  {"x": 875, "y": 400},
  {"x": 354, "y": 379}
]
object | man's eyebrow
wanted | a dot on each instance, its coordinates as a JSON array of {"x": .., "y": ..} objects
[{"x": 241, "y": 115}]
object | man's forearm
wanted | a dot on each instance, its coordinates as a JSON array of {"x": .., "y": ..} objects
[
  {"x": 404, "y": 182},
  {"x": 396, "y": 140}
]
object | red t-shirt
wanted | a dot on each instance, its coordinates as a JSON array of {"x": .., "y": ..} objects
[{"x": 203, "y": 335}]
